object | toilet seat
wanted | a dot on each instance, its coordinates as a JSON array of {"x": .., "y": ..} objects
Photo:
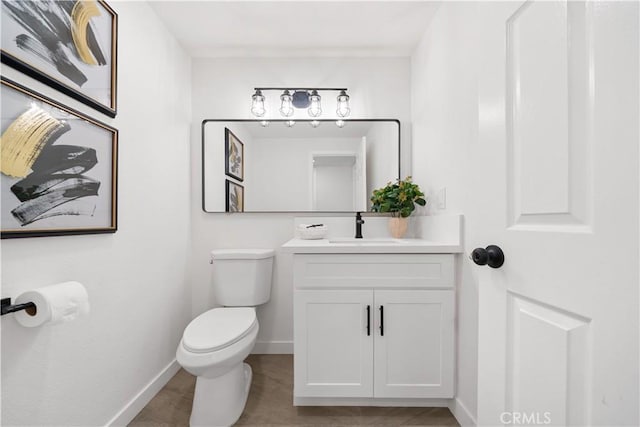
[{"x": 218, "y": 328}]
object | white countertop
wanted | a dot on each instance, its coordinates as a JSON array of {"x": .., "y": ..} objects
[{"x": 370, "y": 246}]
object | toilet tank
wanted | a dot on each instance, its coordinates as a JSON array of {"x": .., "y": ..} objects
[{"x": 242, "y": 277}]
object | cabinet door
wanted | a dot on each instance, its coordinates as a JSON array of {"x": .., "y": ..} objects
[
  {"x": 333, "y": 355},
  {"x": 414, "y": 350}
]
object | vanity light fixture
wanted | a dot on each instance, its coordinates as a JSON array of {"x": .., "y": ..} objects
[
  {"x": 299, "y": 98},
  {"x": 314, "y": 123},
  {"x": 264, "y": 123},
  {"x": 290, "y": 123},
  {"x": 340, "y": 123}
]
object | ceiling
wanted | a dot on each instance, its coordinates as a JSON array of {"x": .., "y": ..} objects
[{"x": 297, "y": 28}]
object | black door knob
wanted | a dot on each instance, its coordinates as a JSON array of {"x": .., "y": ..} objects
[{"x": 491, "y": 256}]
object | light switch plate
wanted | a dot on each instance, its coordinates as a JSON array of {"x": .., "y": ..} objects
[{"x": 442, "y": 198}]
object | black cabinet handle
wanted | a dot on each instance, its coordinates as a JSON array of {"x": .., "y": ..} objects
[
  {"x": 381, "y": 321},
  {"x": 368, "y": 320}
]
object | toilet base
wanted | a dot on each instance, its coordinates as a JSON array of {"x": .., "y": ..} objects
[{"x": 220, "y": 401}]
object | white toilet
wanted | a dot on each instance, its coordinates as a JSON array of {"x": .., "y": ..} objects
[{"x": 215, "y": 343}]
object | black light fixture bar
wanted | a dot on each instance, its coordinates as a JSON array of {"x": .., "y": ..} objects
[{"x": 294, "y": 88}]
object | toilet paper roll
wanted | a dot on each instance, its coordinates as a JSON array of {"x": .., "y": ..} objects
[{"x": 54, "y": 304}]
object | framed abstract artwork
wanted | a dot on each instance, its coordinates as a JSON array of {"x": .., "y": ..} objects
[
  {"x": 233, "y": 156},
  {"x": 68, "y": 45},
  {"x": 58, "y": 168},
  {"x": 234, "y": 196}
]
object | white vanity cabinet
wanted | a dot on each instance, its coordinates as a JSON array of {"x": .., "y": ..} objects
[
  {"x": 373, "y": 325},
  {"x": 414, "y": 357},
  {"x": 333, "y": 355}
]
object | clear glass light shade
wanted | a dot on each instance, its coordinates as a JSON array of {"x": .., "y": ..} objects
[
  {"x": 343, "y": 109},
  {"x": 264, "y": 123},
  {"x": 286, "y": 105},
  {"x": 314, "y": 109},
  {"x": 257, "y": 104},
  {"x": 340, "y": 123},
  {"x": 314, "y": 123},
  {"x": 290, "y": 123}
]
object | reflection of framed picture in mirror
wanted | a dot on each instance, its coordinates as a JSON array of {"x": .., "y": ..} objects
[
  {"x": 234, "y": 197},
  {"x": 233, "y": 156},
  {"x": 68, "y": 45},
  {"x": 58, "y": 168}
]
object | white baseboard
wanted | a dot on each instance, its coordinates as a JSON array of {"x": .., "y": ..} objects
[
  {"x": 273, "y": 347},
  {"x": 135, "y": 405},
  {"x": 364, "y": 401},
  {"x": 462, "y": 414}
]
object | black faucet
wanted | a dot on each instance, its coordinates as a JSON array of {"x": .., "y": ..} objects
[{"x": 359, "y": 222}]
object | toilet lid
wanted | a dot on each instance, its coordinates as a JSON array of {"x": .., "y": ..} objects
[{"x": 218, "y": 328}]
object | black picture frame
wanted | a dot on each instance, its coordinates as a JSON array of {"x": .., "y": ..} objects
[
  {"x": 67, "y": 76},
  {"x": 234, "y": 197},
  {"x": 54, "y": 195},
  {"x": 233, "y": 148}
]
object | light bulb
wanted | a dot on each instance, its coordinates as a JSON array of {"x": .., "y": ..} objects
[
  {"x": 257, "y": 104},
  {"x": 264, "y": 123},
  {"x": 290, "y": 123},
  {"x": 286, "y": 106},
  {"x": 343, "y": 109},
  {"x": 314, "y": 123},
  {"x": 314, "y": 109},
  {"x": 340, "y": 123}
]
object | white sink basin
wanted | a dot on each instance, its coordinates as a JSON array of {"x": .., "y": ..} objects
[{"x": 364, "y": 241}]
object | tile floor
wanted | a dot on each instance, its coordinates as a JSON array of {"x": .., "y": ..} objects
[{"x": 270, "y": 404}]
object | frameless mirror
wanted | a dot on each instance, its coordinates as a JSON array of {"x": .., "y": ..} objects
[{"x": 307, "y": 167}]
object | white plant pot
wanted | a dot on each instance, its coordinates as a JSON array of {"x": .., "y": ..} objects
[{"x": 398, "y": 226}]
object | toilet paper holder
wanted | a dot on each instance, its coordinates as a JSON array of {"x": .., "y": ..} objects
[{"x": 7, "y": 307}]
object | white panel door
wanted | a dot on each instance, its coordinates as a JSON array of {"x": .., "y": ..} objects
[
  {"x": 558, "y": 153},
  {"x": 333, "y": 350},
  {"x": 414, "y": 343}
]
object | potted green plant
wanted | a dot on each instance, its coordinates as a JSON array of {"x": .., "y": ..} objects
[{"x": 399, "y": 199}]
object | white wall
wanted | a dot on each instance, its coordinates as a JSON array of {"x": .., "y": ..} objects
[
  {"x": 222, "y": 89},
  {"x": 84, "y": 372},
  {"x": 445, "y": 122},
  {"x": 379, "y": 169}
]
